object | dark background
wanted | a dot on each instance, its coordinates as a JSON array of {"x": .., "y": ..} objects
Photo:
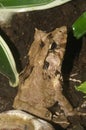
[{"x": 19, "y": 35}]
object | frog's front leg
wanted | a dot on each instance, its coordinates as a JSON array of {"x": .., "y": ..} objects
[
  {"x": 58, "y": 117},
  {"x": 37, "y": 110},
  {"x": 61, "y": 119},
  {"x": 61, "y": 99},
  {"x": 43, "y": 112}
]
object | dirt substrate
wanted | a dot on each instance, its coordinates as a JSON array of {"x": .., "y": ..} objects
[{"x": 20, "y": 36}]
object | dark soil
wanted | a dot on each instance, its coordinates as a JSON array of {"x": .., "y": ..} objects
[{"x": 20, "y": 34}]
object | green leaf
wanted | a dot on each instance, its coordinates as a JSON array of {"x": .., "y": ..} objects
[
  {"x": 8, "y": 3},
  {"x": 9, "y": 7},
  {"x": 28, "y": 3},
  {"x": 82, "y": 87},
  {"x": 79, "y": 27},
  {"x": 7, "y": 64}
]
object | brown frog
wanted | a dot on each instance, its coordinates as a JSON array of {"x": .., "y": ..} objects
[{"x": 40, "y": 82}]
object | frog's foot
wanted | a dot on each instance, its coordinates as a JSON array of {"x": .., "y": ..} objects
[{"x": 60, "y": 119}]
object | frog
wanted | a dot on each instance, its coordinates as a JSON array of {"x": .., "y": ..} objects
[{"x": 40, "y": 86}]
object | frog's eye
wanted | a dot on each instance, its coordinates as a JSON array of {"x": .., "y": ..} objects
[
  {"x": 46, "y": 65},
  {"x": 53, "y": 46},
  {"x": 42, "y": 44}
]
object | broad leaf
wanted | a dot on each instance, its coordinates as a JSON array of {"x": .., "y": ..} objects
[
  {"x": 82, "y": 87},
  {"x": 7, "y": 64},
  {"x": 9, "y": 7},
  {"x": 29, "y": 3},
  {"x": 79, "y": 27},
  {"x": 10, "y": 3}
]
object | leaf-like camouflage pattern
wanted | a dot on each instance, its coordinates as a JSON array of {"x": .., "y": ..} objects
[{"x": 40, "y": 83}]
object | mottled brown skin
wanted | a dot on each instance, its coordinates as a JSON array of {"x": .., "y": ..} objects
[{"x": 40, "y": 83}]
